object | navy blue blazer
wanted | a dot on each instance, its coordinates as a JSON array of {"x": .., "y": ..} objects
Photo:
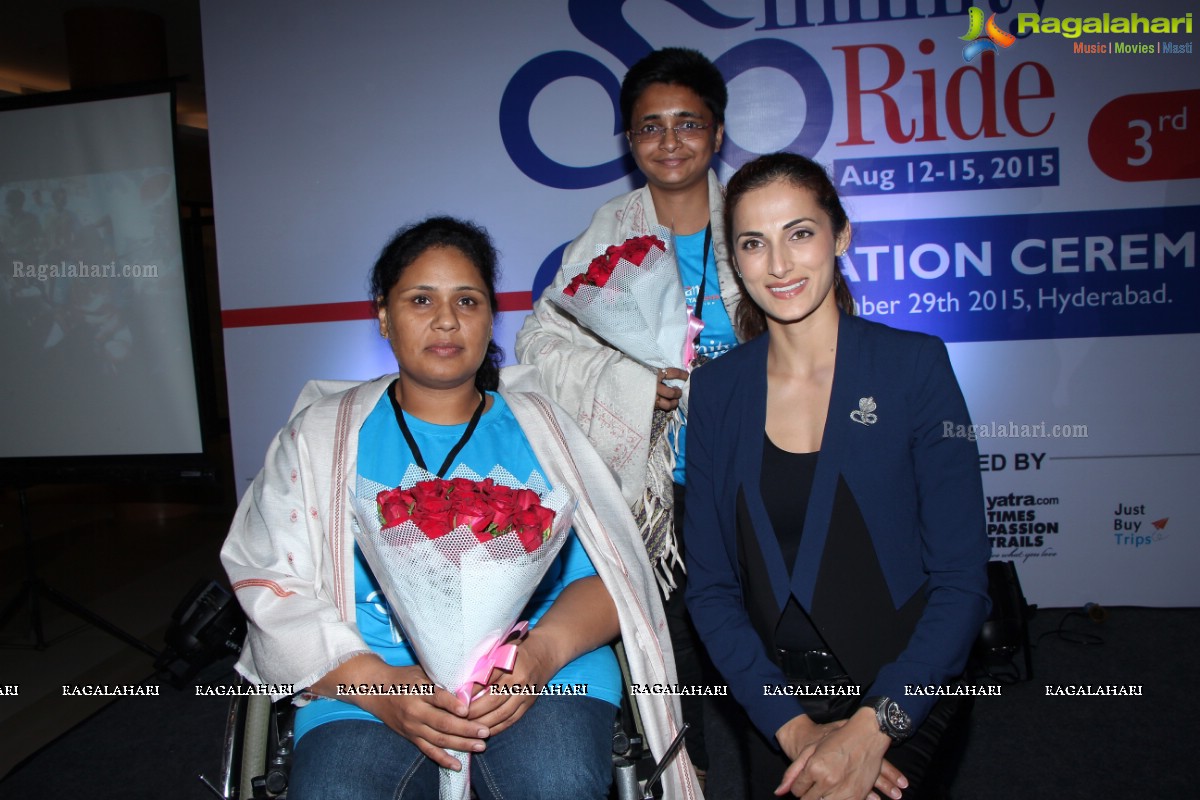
[{"x": 918, "y": 489}]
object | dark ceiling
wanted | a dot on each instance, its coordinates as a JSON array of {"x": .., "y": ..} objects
[{"x": 34, "y": 51}]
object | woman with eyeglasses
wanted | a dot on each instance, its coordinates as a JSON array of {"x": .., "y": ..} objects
[{"x": 673, "y": 109}]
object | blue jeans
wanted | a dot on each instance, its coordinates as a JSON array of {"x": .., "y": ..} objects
[{"x": 562, "y": 747}]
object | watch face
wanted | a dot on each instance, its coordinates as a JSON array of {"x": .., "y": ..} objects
[
  {"x": 897, "y": 718},
  {"x": 892, "y": 719}
]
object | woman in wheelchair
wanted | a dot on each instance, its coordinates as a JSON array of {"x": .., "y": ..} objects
[{"x": 317, "y": 617}]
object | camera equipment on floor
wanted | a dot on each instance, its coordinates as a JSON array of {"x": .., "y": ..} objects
[
  {"x": 1005, "y": 633},
  {"x": 208, "y": 625}
]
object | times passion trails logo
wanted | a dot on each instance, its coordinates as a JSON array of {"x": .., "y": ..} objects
[
  {"x": 980, "y": 36},
  {"x": 1022, "y": 526}
]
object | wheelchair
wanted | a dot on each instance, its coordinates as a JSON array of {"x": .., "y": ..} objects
[{"x": 256, "y": 755}]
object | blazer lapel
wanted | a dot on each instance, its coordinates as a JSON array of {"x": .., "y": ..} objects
[
  {"x": 749, "y": 465},
  {"x": 829, "y": 463}
]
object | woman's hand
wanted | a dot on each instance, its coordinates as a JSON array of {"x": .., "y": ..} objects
[
  {"x": 668, "y": 396},
  {"x": 581, "y": 619},
  {"x": 801, "y": 733},
  {"x": 433, "y": 722},
  {"x": 532, "y": 669},
  {"x": 840, "y": 760}
]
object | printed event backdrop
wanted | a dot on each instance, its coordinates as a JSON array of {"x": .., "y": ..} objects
[{"x": 1027, "y": 190}]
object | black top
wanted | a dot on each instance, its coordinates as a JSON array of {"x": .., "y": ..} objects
[
  {"x": 849, "y": 562},
  {"x": 785, "y": 485}
]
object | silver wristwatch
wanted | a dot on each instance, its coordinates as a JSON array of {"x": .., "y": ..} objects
[{"x": 893, "y": 720}]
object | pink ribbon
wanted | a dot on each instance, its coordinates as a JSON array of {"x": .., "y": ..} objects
[
  {"x": 694, "y": 326},
  {"x": 503, "y": 655}
]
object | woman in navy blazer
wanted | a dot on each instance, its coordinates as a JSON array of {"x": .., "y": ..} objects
[{"x": 890, "y": 566}]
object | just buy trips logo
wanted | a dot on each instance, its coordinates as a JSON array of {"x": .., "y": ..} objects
[
  {"x": 1132, "y": 526},
  {"x": 980, "y": 37}
]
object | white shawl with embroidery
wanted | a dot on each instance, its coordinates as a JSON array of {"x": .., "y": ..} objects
[{"x": 609, "y": 395}]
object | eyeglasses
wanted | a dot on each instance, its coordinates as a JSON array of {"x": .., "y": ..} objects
[{"x": 683, "y": 131}]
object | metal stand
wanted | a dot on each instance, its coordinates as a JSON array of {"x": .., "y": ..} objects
[{"x": 34, "y": 589}]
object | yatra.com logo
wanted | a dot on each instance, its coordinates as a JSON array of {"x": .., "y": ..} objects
[{"x": 981, "y": 37}]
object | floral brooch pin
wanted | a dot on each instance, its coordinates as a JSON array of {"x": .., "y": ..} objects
[{"x": 865, "y": 413}]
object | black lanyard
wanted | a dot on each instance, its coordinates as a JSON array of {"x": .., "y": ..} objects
[
  {"x": 698, "y": 309},
  {"x": 412, "y": 443}
]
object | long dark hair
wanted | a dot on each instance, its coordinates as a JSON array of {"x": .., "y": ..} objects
[
  {"x": 409, "y": 243},
  {"x": 801, "y": 172}
]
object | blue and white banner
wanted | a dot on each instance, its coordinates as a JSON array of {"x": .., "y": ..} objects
[
  {"x": 1023, "y": 177},
  {"x": 1033, "y": 276}
]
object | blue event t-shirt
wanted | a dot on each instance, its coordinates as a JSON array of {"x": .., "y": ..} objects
[
  {"x": 497, "y": 440},
  {"x": 718, "y": 337}
]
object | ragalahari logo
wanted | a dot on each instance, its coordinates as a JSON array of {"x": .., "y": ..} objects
[{"x": 981, "y": 37}]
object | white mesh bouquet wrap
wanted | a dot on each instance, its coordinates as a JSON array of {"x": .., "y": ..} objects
[
  {"x": 455, "y": 596},
  {"x": 639, "y": 311}
]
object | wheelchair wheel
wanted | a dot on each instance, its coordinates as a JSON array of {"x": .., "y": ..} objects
[{"x": 254, "y": 744}]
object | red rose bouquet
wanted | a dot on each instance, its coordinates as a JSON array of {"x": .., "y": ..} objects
[
  {"x": 458, "y": 560},
  {"x": 487, "y": 508},
  {"x": 601, "y": 267},
  {"x": 630, "y": 296}
]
